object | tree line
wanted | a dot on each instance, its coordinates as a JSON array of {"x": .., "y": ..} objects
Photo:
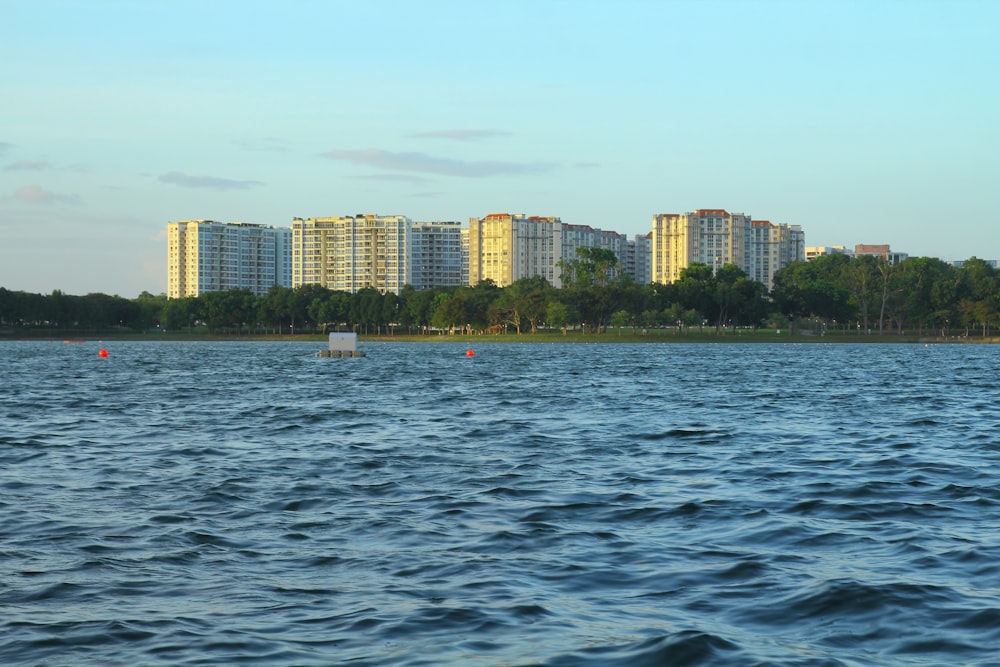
[{"x": 838, "y": 293}]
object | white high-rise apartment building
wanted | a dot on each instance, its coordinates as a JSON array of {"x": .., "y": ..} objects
[
  {"x": 585, "y": 236},
  {"x": 207, "y": 256},
  {"x": 436, "y": 255},
  {"x": 638, "y": 258},
  {"x": 773, "y": 247},
  {"x": 351, "y": 253}
]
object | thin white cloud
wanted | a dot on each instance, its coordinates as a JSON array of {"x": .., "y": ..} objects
[
  {"x": 28, "y": 165},
  {"x": 461, "y": 135},
  {"x": 403, "y": 178},
  {"x": 207, "y": 182},
  {"x": 429, "y": 164},
  {"x": 4, "y": 147},
  {"x": 264, "y": 145},
  {"x": 36, "y": 194}
]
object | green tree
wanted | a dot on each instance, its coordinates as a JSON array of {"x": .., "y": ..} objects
[
  {"x": 814, "y": 289},
  {"x": 863, "y": 279},
  {"x": 274, "y": 308},
  {"x": 229, "y": 309},
  {"x": 557, "y": 314},
  {"x": 418, "y": 306},
  {"x": 730, "y": 292},
  {"x": 524, "y": 300},
  {"x": 620, "y": 319},
  {"x": 181, "y": 313},
  {"x": 150, "y": 310},
  {"x": 588, "y": 283},
  {"x": 979, "y": 294},
  {"x": 696, "y": 290}
]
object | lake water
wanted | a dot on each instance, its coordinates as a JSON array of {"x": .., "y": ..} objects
[{"x": 614, "y": 504}]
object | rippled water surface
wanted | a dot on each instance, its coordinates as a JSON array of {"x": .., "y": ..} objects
[{"x": 249, "y": 503}]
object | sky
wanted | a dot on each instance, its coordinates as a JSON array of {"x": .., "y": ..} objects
[{"x": 863, "y": 122}]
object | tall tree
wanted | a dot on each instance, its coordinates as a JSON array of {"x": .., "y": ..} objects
[{"x": 586, "y": 281}]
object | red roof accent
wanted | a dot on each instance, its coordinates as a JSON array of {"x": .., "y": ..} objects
[
  {"x": 712, "y": 211},
  {"x": 761, "y": 223}
]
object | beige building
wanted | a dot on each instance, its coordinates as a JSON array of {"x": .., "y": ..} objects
[
  {"x": 716, "y": 237},
  {"x": 208, "y": 256},
  {"x": 708, "y": 236},
  {"x": 505, "y": 248},
  {"x": 814, "y": 251},
  {"x": 351, "y": 253}
]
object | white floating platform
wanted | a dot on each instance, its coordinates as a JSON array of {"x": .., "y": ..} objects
[{"x": 342, "y": 345}]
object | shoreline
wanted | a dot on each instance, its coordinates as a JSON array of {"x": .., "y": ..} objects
[{"x": 571, "y": 338}]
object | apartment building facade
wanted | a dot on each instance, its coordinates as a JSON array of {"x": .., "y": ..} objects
[
  {"x": 716, "y": 237},
  {"x": 637, "y": 261},
  {"x": 350, "y": 253},
  {"x": 708, "y": 236},
  {"x": 506, "y": 247},
  {"x": 773, "y": 247},
  {"x": 438, "y": 255},
  {"x": 209, "y": 256}
]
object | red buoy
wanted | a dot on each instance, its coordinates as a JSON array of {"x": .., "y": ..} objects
[
  {"x": 470, "y": 353},
  {"x": 103, "y": 353}
]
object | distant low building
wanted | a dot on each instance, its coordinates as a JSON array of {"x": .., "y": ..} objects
[
  {"x": 993, "y": 263},
  {"x": 880, "y": 250},
  {"x": 814, "y": 251}
]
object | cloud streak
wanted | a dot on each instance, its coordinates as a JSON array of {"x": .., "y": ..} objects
[
  {"x": 263, "y": 144},
  {"x": 400, "y": 178},
  {"x": 206, "y": 182},
  {"x": 4, "y": 147},
  {"x": 28, "y": 165},
  {"x": 461, "y": 135},
  {"x": 429, "y": 164},
  {"x": 36, "y": 194}
]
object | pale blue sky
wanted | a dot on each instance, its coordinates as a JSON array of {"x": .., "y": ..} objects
[{"x": 863, "y": 122}]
